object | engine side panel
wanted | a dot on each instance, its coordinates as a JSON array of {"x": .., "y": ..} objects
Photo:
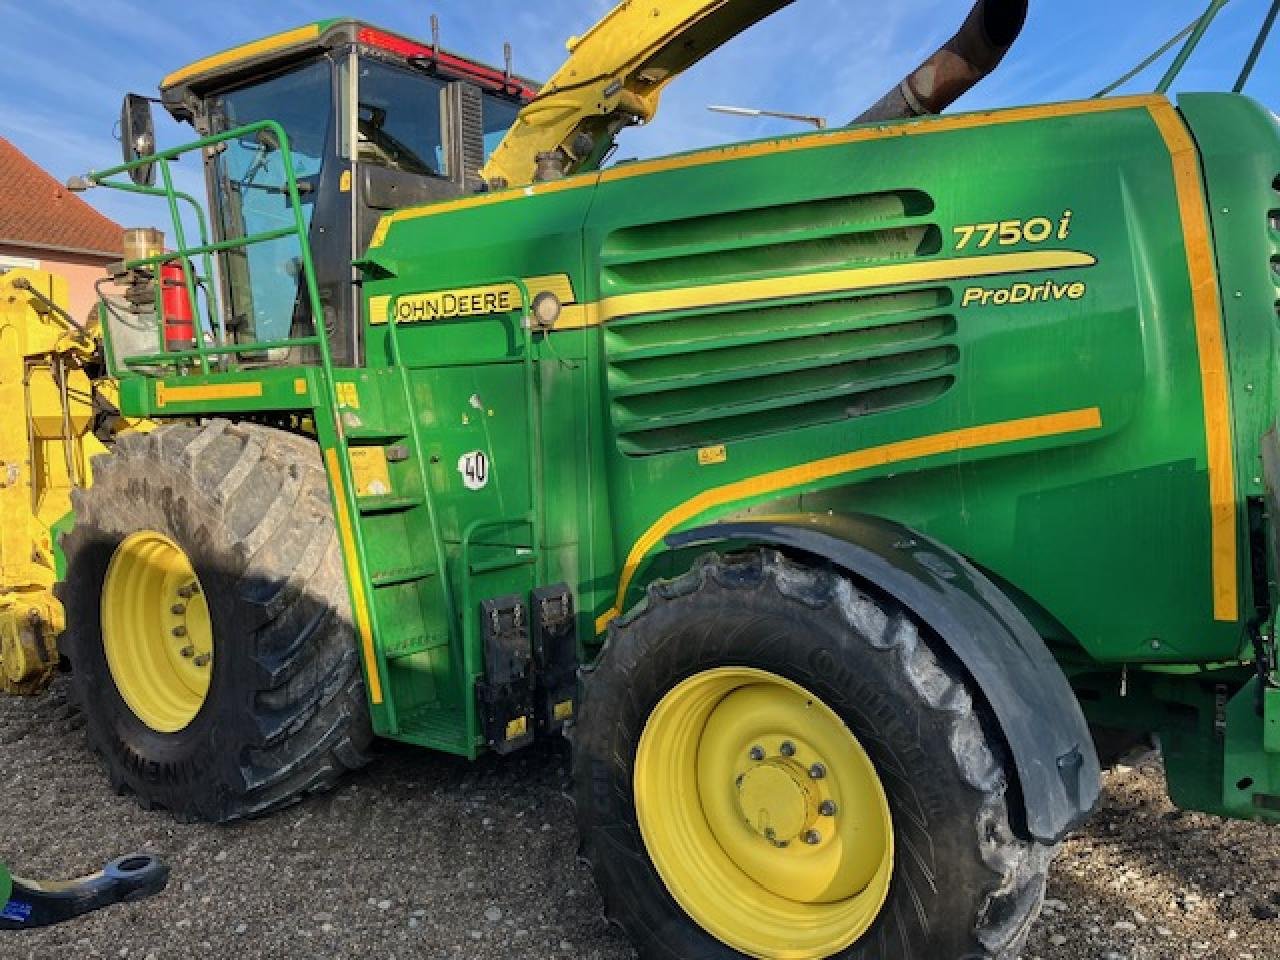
[{"x": 974, "y": 325}]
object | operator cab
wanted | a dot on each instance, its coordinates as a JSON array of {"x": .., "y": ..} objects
[{"x": 375, "y": 122}]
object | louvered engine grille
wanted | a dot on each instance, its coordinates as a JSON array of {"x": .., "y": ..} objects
[{"x": 704, "y": 376}]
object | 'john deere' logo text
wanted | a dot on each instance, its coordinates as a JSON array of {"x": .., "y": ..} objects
[{"x": 448, "y": 304}]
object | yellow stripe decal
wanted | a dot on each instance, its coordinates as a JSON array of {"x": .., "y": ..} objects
[
  {"x": 355, "y": 576},
  {"x": 1213, "y": 358},
  {"x": 243, "y": 52},
  {"x": 916, "y": 128},
  {"x": 794, "y": 478},
  {"x": 578, "y": 316},
  {"x": 840, "y": 281},
  {"x": 218, "y": 391},
  {"x": 829, "y": 138}
]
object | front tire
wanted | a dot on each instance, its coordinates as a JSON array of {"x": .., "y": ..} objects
[
  {"x": 700, "y": 724},
  {"x": 209, "y": 629}
]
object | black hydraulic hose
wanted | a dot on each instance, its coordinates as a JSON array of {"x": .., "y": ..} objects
[
  {"x": 1169, "y": 45},
  {"x": 1263, "y": 36},
  {"x": 115, "y": 312}
]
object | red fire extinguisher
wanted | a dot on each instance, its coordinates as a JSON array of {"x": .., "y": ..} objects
[{"x": 179, "y": 317}]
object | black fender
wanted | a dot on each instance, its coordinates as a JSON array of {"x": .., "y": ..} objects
[{"x": 1038, "y": 713}]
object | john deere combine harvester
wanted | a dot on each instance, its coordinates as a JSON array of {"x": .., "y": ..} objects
[{"x": 823, "y": 485}]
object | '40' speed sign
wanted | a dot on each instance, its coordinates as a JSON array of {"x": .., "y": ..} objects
[{"x": 474, "y": 467}]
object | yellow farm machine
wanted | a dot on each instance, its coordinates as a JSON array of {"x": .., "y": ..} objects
[{"x": 57, "y": 411}]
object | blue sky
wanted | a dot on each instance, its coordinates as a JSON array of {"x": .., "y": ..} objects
[{"x": 66, "y": 63}]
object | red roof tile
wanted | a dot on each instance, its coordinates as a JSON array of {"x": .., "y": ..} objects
[{"x": 36, "y": 210}]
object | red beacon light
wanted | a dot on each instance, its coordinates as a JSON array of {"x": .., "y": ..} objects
[{"x": 477, "y": 73}]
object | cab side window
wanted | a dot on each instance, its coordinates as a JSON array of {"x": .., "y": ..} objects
[{"x": 398, "y": 124}]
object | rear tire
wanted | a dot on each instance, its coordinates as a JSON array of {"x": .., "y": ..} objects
[
  {"x": 964, "y": 884},
  {"x": 285, "y": 713}
]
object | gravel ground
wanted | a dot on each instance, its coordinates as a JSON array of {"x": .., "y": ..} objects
[{"x": 425, "y": 856}]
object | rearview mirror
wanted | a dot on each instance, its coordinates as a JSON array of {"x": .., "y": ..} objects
[{"x": 138, "y": 137}]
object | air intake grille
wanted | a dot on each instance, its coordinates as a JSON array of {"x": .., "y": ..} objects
[
  {"x": 709, "y": 375},
  {"x": 828, "y": 234},
  {"x": 694, "y": 379}
]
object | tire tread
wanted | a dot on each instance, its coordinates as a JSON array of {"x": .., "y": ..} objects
[
  {"x": 307, "y": 724},
  {"x": 1018, "y": 868}
]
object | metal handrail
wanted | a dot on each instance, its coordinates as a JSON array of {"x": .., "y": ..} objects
[
  {"x": 174, "y": 357},
  {"x": 215, "y": 317},
  {"x": 326, "y": 408},
  {"x": 201, "y": 354},
  {"x": 533, "y": 419}
]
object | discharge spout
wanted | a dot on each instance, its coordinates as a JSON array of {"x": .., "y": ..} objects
[{"x": 954, "y": 70}]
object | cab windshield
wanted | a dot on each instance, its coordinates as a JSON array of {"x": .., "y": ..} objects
[
  {"x": 250, "y": 195},
  {"x": 350, "y": 171}
]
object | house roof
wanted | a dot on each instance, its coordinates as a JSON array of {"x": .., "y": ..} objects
[{"x": 37, "y": 211}]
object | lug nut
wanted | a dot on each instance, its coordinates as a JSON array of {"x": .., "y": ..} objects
[
  {"x": 189, "y": 591},
  {"x": 812, "y": 838},
  {"x": 179, "y": 631},
  {"x": 770, "y": 833},
  {"x": 788, "y": 748},
  {"x": 738, "y": 781},
  {"x": 817, "y": 772},
  {"x": 757, "y": 754},
  {"x": 188, "y": 652},
  {"x": 827, "y": 808},
  {"x": 178, "y": 609},
  {"x": 203, "y": 660}
]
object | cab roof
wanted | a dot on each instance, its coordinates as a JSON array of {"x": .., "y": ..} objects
[{"x": 248, "y": 59}]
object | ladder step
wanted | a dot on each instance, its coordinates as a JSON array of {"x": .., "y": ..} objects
[
  {"x": 399, "y": 575},
  {"x": 388, "y": 504},
  {"x": 438, "y": 727},
  {"x": 408, "y": 646},
  {"x": 522, "y": 558}
]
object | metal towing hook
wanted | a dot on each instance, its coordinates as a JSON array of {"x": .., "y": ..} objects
[{"x": 27, "y": 904}]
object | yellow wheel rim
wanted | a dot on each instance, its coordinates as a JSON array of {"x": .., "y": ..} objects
[
  {"x": 156, "y": 631},
  {"x": 764, "y": 815}
]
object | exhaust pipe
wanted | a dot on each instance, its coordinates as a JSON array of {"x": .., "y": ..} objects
[{"x": 967, "y": 58}]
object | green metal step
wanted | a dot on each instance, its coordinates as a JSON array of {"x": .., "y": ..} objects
[
  {"x": 400, "y": 649},
  {"x": 391, "y": 578},
  {"x": 363, "y": 433},
  {"x": 437, "y": 727},
  {"x": 370, "y": 506}
]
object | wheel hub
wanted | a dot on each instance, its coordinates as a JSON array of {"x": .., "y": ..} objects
[
  {"x": 775, "y": 801},
  {"x": 156, "y": 631}
]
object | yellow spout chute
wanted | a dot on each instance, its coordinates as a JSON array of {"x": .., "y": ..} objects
[{"x": 614, "y": 77}]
